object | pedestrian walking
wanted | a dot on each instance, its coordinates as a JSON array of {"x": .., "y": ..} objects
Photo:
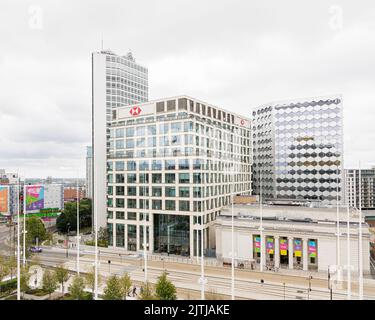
[{"x": 134, "y": 291}]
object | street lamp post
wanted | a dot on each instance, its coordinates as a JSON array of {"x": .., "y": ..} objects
[
  {"x": 308, "y": 292},
  {"x": 284, "y": 289},
  {"x": 78, "y": 221},
  {"x": 67, "y": 241},
  {"x": 18, "y": 243}
]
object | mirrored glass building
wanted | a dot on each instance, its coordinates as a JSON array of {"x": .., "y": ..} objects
[{"x": 298, "y": 150}]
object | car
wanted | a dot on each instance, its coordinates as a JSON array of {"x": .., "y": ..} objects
[{"x": 36, "y": 249}]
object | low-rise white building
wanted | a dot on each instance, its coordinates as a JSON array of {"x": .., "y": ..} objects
[{"x": 292, "y": 237}]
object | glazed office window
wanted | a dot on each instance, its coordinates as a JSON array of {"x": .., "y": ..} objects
[
  {"x": 171, "y": 105},
  {"x": 120, "y": 215},
  {"x": 182, "y": 104},
  {"x": 132, "y": 178},
  {"x": 151, "y": 130},
  {"x": 143, "y": 204},
  {"x": 110, "y": 190},
  {"x": 170, "y": 165},
  {"x": 188, "y": 126},
  {"x": 130, "y": 132},
  {"x": 119, "y": 133},
  {"x": 156, "y": 204},
  {"x": 131, "y": 166},
  {"x": 144, "y": 165},
  {"x": 157, "y": 191},
  {"x": 170, "y": 205},
  {"x": 143, "y": 191},
  {"x": 119, "y": 144},
  {"x": 184, "y": 192},
  {"x": 120, "y": 235},
  {"x": 170, "y": 178},
  {"x": 120, "y": 178},
  {"x": 120, "y": 191},
  {"x": 183, "y": 164},
  {"x": 170, "y": 191},
  {"x": 184, "y": 178},
  {"x": 130, "y": 143},
  {"x": 156, "y": 165},
  {"x": 132, "y": 203},
  {"x": 120, "y": 203},
  {"x": 160, "y": 107},
  {"x": 184, "y": 205},
  {"x": 120, "y": 166},
  {"x": 141, "y": 131},
  {"x": 163, "y": 128},
  {"x": 143, "y": 178},
  {"x": 156, "y": 178}
]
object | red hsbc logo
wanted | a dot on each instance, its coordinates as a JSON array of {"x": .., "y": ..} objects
[{"x": 135, "y": 111}]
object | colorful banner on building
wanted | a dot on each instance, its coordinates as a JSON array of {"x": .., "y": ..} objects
[
  {"x": 297, "y": 247},
  {"x": 4, "y": 199},
  {"x": 283, "y": 247},
  {"x": 34, "y": 198},
  {"x": 270, "y": 245},
  {"x": 312, "y": 248},
  {"x": 256, "y": 243}
]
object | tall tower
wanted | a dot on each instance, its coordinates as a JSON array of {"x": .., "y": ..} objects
[{"x": 116, "y": 81}]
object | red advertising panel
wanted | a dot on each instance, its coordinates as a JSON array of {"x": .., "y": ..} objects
[{"x": 4, "y": 199}]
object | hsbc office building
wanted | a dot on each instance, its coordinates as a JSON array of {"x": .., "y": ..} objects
[{"x": 172, "y": 165}]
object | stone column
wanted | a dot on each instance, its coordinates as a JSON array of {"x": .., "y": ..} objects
[
  {"x": 114, "y": 234},
  {"x": 191, "y": 236},
  {"x": 151, "y": 233},
  {"x": 290, "y": 250},
  {"x": 263, "y": 250},
  {"x": 138, "y": 247},
  {"x": 126, "y": 236},
  {"x": 277, "y": 252},
  {"x": 305, "y": 254}
]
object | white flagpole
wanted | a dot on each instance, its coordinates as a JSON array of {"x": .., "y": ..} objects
[
  {"x": 232, "y": 232},
  {"x": 360, "y": 278},
  {"x": 261, "y": 222},
  {"x": 144, "y": 222},
  {"x": 349, "y": 285},
  {"x": 18, "y": 242},
  {"x": 338, "y": 253},
  {"x": 78, "y": 236},
  {"x": 24, "y": 227}
]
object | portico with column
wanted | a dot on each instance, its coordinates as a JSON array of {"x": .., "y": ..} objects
[
  {"x": 305, "y": 254},
  {"x": 277, "y": 252},
  {"x": 290, "y": 252}
]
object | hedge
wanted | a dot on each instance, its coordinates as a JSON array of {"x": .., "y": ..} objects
[{"x": 8, "y": 285}]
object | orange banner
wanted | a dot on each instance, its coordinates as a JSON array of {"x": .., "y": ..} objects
[{"x": 4, "y": 199}]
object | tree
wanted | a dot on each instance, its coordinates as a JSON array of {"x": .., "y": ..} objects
[
  {"x": 146, "y": 292},
  {"x": 24, "y": 280},
  {"x": 165, "y": 289},
  {"x": 12, "y": 265},
  {"x": 113, "y": 289},
  {"x": 62, "y": 275},
  {"x": 77, "y": 288},
  {"x": 125, "y": 283},
  {"x": 4, "y": 269},
  {"x": 90, "y": 279},
  {"x": 69, "y": 215},
  {"x": 49, "y": 282},
  {"x": 35, "y": 229}
]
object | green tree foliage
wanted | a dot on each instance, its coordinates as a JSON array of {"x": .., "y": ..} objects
[
  {"x": 69, "y": 215},
  {"x": 49, "y": 282},
  {"x": 165, "y": 289},
  {"x": 147, "y": 292},
  {"x": 77, "y": 288},
  {"x": 90, "y": 279},
  {"x": 12, "y": 265},
  {"x": 125, "y": 283},
  {"x": 62, "y": 275},
  {"x": 113, "y": 289},
  {"x": 35, "y": 229},
  {"x": 4, "y": 269}
]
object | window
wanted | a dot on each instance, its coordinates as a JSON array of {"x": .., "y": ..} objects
[
  {"x": 156, "y": 178},
  {"x": 120, "y": 215},
  {"x": 132, "y": 178},
  {"x": 170, "y": 191},
  {"x": 170, "y": 178},
  {"x": 143, "y": 204},
  {"x": 184, "y": 178},
  {"x": 184, "y": 205},
  {"x": 151, "y": 142},
  {"x": 119, "y": 133},
  {"x": 142, "y": 216},
  {"x": 163, "y": 128},
  {"x": 151, "y": 130},
  {"x": 130, "y": 143},
  {"x": 183, "y": 164},
  {"x": 184, "y": 192},
  {"x": 120, "y": 235},
  {"x": 188, "y": 126},
  {"x": 156, "y": 205},
  {"x": 156, "y": 191},
  {"x": 110, "y": 190},
  {"x": 132, "y": 216},
  {"x": 131, "y": 165},
  {"x": 119, "y": 144},
  {"x": 120, "y": 166},
  {"x": 120, "y": 203},
  {"x": 176, "y": 127},
  {"x": 156, "y": 165},
  {"x": 132, "y": 203},
  {"x": 170, "y": 165},
  {"x": 171, "y": 105},
  {"x": 141, "y": 131},
  {"x": 132, "y": 237},
  {"x": 182, "y": 104},
  {"x": 110, "y": 214},
  {"x": 130, "y": 132},
  {"x": 120, "y": 178},
  {"x": 132, "y": 191},
  {"x": 170, "y": 205},
  {"x": 143, "y": 165},
  {"x": 197, "y": 192},
  {"x": 141, "y": 143},
  {"x": 120, "y": 191},
  {"x": 160, "y": 106},
  {"x": 143, "y": 178}
]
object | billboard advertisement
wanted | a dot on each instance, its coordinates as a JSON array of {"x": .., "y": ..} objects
[
  {"x": 4, "y": 199},
  {"x": 283, "y": 247},
  {"x": 34, "y": 198},
  {"x": 270, "y": 245},
  {"x": 256, "y": 243},
  {"x": 297, "y": 247},
  {"x": 312, "y": 248}
]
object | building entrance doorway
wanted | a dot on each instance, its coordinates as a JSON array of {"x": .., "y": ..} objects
[{"x": 284, "y": 252}]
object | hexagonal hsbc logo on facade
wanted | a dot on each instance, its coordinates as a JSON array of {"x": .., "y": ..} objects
[{"x": 135, "y": 111}]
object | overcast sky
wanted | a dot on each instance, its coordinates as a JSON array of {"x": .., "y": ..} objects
[{"x": 233, "y": 54}]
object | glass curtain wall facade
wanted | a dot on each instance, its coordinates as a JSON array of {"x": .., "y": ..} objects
[
  {"x": 171, "y": 162},
  {"x": 298, "y": 150}
]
